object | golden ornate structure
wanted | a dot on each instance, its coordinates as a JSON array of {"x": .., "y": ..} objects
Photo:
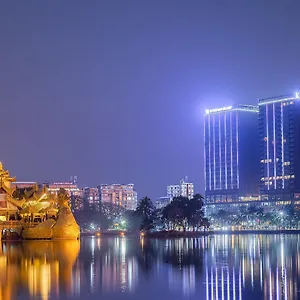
[{"x": 39, "y": 214}]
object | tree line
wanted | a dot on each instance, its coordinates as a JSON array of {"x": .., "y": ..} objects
[
  {"x": 253, "y": 216},
  {"x": 181, "y": 214}
]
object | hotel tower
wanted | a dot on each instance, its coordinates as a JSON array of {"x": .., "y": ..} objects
[
  {"x": 279, "y": 133},
  {"x": 231, "y": 154}
]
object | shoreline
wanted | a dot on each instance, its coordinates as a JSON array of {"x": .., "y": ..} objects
[
  {"x": 188, "y": 234},
  {"x": 219, "y": 232}
]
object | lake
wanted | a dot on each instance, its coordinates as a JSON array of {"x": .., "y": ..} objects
[{"x": 217, "y": 267}]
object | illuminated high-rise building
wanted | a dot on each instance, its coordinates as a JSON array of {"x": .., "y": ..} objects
[
  {"x": 91, "y": 199},
  {"x": 119, "y": 194},
  {"x": 183, "y": 189},
  {"x": 231, "y": 146},
  {"x": 279, "y": 131}
]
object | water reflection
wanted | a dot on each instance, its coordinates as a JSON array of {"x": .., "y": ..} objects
[
  {"x": 37, "y": 268},
  {"x": 240, "y": 266},
  {"x": 220, "y": 267}
]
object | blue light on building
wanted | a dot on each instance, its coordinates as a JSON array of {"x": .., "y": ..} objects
[
  {"x": 279, "y": 132},
  {"x": 231, "y": 153}
]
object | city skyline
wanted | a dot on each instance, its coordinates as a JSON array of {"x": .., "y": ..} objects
[{"x": 116, "y": 97}]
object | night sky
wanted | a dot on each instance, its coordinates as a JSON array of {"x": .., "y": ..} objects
[{"x": 115, "y": 91}]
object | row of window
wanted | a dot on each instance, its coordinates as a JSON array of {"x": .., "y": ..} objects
[
  {"x": 266, "y": 139},
  {"x": 265, "y": 161},
  {"x": 277, "y": 177},
  {"x": 229, "y": 187},
  {"x": 268, "y": 182}
]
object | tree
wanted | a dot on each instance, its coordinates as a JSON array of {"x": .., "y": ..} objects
[
  {"x": 144, "y": 211},
  {"x": 184, "y": 213},
  {"x": 195, "y": 212},
  {"x": 205, "y": 223},
  {"x": 175, "y": 214}
]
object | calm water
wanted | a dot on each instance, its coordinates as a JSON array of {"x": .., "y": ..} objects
[{"x": 221, "y": 267}]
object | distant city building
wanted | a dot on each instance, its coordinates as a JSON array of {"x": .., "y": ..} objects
[
  {"x": 184, "y": 189},
  {"x": 75, "y": 193},
  {"x": 23, "y": 184},
  {"x": 279, "y": 132},
  {"x": 231, "y": 151},
  {"x": 91, "y": 199},
  {"x": 162, "y": 202},
  {"x": 119, "y": 194},
  {"x": 68, "y": 186},
  {"x": 73, "y": 179}
]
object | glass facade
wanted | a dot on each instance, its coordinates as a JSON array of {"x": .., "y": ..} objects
[
  {"x": 231, "y": 150},
  {"x": 279, "y": 124}
]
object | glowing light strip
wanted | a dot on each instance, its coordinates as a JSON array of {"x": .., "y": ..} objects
[
  {"x": 282, "y": 146},
  {"x": 205, "y": 160},
  {"x": 231, "y": 171},
  {"x": 217, "y": 287},
  {"x": 209, "y": 153},
  {"x": 264, "y": 102},
  {"x": 261, "y": 274},
  {"x": 233, "y": 283},
  {"x": 277, "y": 283},
  {"x": 225, "y": 141},
  {"x": 243, "y": 270},
  {"x": 274, "y": 147},
  {"x": 237, "y": 151},
  {"x": 212, "y": 283},
  {"x": 268, "y": 168},
  {"x": 207, "y": 283},
  {"x": 240, "y": 284},
  {"x": 220, "y": 154},
  {"x": 216, "y": 110},
  {"x": 214, "y": 151},
  {"x": 247, "y": 108},
  {"x": 228, "y": 284},
  {"x": 270, "y": 283},
  {"x": 285, "y": 286},
  {"x": 222, "y": 281}
]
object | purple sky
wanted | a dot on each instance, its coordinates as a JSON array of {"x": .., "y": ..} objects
[{"x": 114, "y": 91}]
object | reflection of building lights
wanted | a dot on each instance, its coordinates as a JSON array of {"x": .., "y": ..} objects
[{"x": 142, "y": 243}]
